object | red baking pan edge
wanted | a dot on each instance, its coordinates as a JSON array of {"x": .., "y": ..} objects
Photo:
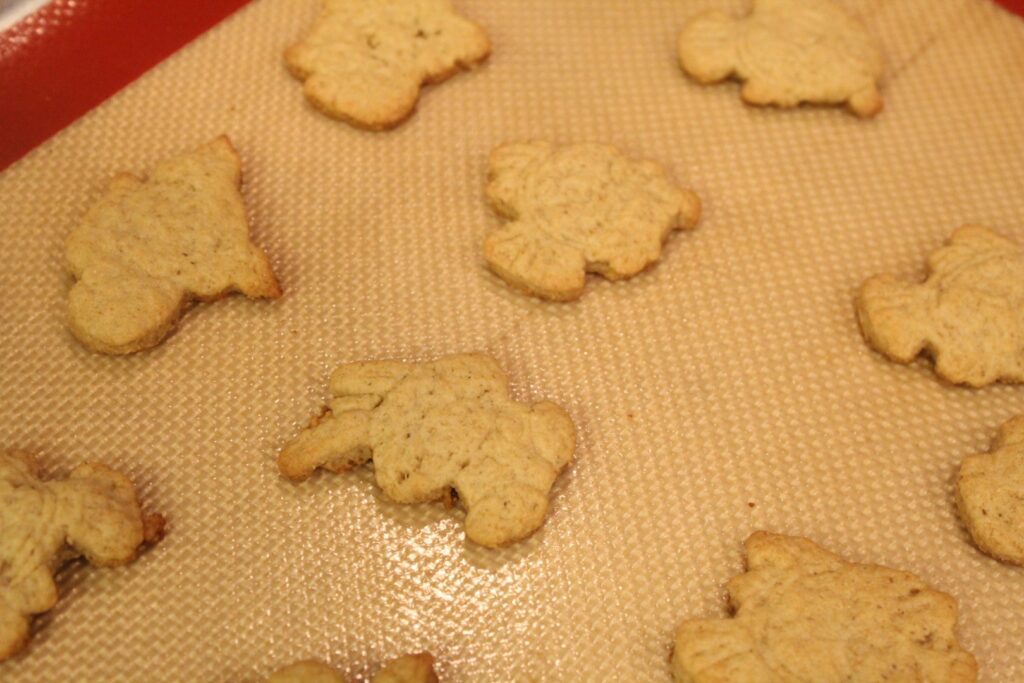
[
  {"x": 1015, "y": 6},
  {"x": 70, "y": 55},
  {"x": 61, "y": 61}
]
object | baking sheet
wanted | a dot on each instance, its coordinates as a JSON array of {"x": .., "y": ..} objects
[{"x": 724, "y": 391}]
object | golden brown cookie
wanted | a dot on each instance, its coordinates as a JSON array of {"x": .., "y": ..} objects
[
  {"x": 43, "y": 524},
  {"x": 990, "y": 495},
  {"x": 364, "y": 61},
  {"x": 149, "y": 247},
  {"x": 577, "y": 209},
  {"x": 805, "y": 615},
  {"x": 431, "y": 428},
  {"x": 968, "y": 314},
  {"x": 787, "y": 52}
]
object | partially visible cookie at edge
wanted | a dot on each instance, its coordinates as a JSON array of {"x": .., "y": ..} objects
[
  {"x": 438, "y": 428},
  {"x": 93, "y": 513},
  {"x": 968, "y": 315},
  {"x": 364, "y": 61},
  {"x": 990, "y": 495},
  {"x": 578, "y": 209},
  {"x": 787, "y": 52},
  {"x": 418, "y": 668},
  {"x": 803, "y": 614},
  {"x": 148, "y": 248},
  {"x": 307, "y": 671}
]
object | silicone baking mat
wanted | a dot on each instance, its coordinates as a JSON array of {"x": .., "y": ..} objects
[{"x": 725, "y": 390}]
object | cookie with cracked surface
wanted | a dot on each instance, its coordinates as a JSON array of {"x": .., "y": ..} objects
[
  {"x": 94, "y": 514},
  {"x": 968, "y": 315},
  {"x": 418, "y": 668},
  {"x": 805, "y": 615},
  {"x": 990, "y": 495},
  {"x": 364, "y": 61},
  {"x": 434, "y": 427},
  {"x": 149, "y": 247},
  {"x": 577, "y": 209},
  {"x": 787, "y": 52}
]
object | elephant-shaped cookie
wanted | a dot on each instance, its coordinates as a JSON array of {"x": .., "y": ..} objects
[
  {"x": 438, "y": 429},
  {"x": 805, "y": 615}
]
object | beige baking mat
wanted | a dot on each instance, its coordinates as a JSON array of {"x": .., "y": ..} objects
[{"x": 726, "y": 390}]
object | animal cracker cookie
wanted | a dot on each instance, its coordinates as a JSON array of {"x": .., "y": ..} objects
[
  {"x": 990, "y": 495},
  {"x": 148, "y": 247},
  {"x": 309, "y": 671},
  {"x": 968, "y": 315},
  {"x": 788, "y": 52},
  {"x": 93, "y": 513},
  {"x": 578, "y": 209},
  {"x": 431, "y": 428},
  {"x": 805, "y": 615},
  {"x": 418, "y": 668},
  {"x": 365, "y": 60}
]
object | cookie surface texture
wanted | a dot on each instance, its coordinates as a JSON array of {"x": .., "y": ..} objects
[
  {"x": 93, "y": 513},
  {"x": 803, "y": 614},
  {"x": 577, "y": 209},
  {"x": 990, "y": 495},
  {"x": 149, "y": 247},
  {"x": 434, "y": 427},
  {"x": 968, "y": 315},
  {"x": 787, "y": 52},
  {"x": 364, "y": 61}
]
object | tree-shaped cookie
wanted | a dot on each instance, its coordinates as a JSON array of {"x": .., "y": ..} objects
[
  {"x": 364, "y": 60},
  {"x": 93, "y": 513},
  {"x": 968, "y": 315},
  {"x": 579, "y": 209},
  {"x": 440, "y": 427},
  {"x": 418, "y": 668},
  {"x": 805, "y": 615},
  {"x": 149, "y": 247},
  {"x": 788, "y": 52},
  {"x": 990, "y": 495}
]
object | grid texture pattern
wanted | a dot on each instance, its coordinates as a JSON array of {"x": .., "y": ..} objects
[{"x": 723, "y": 391}]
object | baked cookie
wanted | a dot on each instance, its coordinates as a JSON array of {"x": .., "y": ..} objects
[
  {"x": 149, "y": 247},
  {"x": 440, "y": 428},
  {"x": 968, "y": 315},
  {"x": 579, "y": 209},
  {"x": 309, "y": 671},
  {"x": 93, "y": 514},
  {"x": 805, "y": 615},
  {"x": 990, "y": 495},
  {"x": 365, "y": 60},
  {"x": 417, "y": 668},
  {"x": 788, "y": 52}
]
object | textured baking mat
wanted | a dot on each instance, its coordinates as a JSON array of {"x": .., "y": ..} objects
[{"x": 725, "y": 390}]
